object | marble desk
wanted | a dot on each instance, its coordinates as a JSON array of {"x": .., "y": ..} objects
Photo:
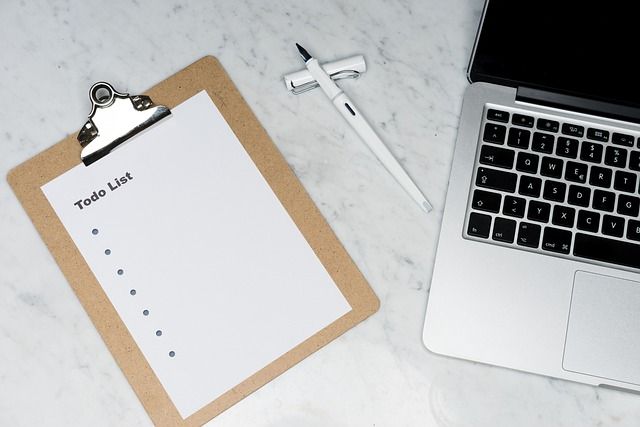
[{"x": 55, "y": 369}]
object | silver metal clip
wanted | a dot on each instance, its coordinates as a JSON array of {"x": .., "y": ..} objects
[
  {"x": 344, "y": 74},
  {"x": 115, "y": 117}
]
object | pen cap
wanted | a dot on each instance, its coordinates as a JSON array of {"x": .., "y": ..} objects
[{"x": 351, "y": 67}]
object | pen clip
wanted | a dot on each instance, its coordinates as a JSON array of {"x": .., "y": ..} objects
[{"x": 339, "y": 75}]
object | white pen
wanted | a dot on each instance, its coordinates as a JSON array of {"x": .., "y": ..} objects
[{"x": 357, "y": 121}]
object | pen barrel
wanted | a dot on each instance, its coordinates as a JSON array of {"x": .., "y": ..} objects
[
  {"x": 329, "y": 87},
  {"x": 351, "y": 114}
]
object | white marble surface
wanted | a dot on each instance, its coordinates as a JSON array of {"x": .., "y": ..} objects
[{"x": 54, "y": 368}]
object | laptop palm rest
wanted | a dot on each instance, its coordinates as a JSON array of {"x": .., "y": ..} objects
[{"x": 604, "y": 326}]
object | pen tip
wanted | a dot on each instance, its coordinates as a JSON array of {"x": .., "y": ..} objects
[{"x": 303, "y": 52}]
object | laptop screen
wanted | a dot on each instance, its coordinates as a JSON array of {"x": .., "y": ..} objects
[{"x": 581, "y": 48}]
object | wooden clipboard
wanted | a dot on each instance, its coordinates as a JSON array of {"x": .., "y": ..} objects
[{"x": 207, "y": 74}]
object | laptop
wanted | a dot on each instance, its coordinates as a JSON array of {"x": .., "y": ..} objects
[{"x": 538, "y": 260}]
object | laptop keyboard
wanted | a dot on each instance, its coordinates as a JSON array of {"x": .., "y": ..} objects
[{"x": 560, "y": 188}]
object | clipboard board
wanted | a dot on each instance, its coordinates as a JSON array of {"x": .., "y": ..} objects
[{"x": 205, "y": 74}]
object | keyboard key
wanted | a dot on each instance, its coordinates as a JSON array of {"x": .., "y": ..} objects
[
  {"x": 600, "y": 177},
  {"x": 576, "y": 172},
  {"x": 528, "y": 235},
  {"x": 496, "y": 156},
  {"x": 633, "y": 230},
  {"x": 603, "y": 200},
  {"x": 622, "y": 139},
  {"x": 527, "y": 162},
  {"x": 563, "y": 216},
  {"x": 615, "y": 156},
  {"x": 579, "y": 196},
  {"x": 479, "y": 225},
  {"x": 504, "y": 230},
  {"x": 498, "y": 116},
  {"x": 548, "y": 125},
  {"x": 591, "y": 152},
  {"x": 598, "y": 134},
  {"x": 634, "y": 161},
  {"x": 539, "y": 211},
  {"x": 519, "y": 138},
  {"x": 625, "y": 181},
  {"x": 530, "y": 186},
  {"x": 496, "y": 180},
  {"x": 628, "y": 205},
  {"x": 607, "y": 250},
  {"x": 572, "y": 130},
  {"x": 486, "y": 201},
  {"x": 554, "y": 191},
  {"x": 567, "y": 147},
  {"x": 556, "y": 240},
  {"x": 588, "y": 221},
  {"x": 522, "y": 120},
  {"x": 494, "y": 133},
  {"x": 551, "y": 167},
  {"x": 514, "y": 206},
  {"x": 542, "y": 142},
  {"x": 612, "y": 225}
]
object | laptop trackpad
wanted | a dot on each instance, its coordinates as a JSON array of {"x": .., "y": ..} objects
[{"x": 603, "y": 336}]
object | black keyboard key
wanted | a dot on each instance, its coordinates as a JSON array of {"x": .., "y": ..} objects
[
  {"x": 625, "y": 181},
  {"x": 551, "y": 167},
  {"x": 479, "y": 225},
  {"x": 504, "y": 230},
  {"x": 563, "y": 216},
  {"x": 607, "y": 250},
  {"x": 496, "y": 180},
  {"x": 528, "y": 235},
  {"x": 519, "y": 138},
  {"x": 496, "y": 156},
  {"x": 598, "y": 134},
  {"x": 572, "y": 130},
  {"x": 588, "y": 221},
  {"x": 527, "y": 162},
  {"x": 622, "y": 139},
  {"x": 494, "y": 133},
  {"x": 542, "y": 142},
  {"x": 579, "y": 196},
  {"x": 615, "y": 156},
  {"x": 634, "y": 161},
  {"x": 600, "y": 177},
  {"x": 556, "y": 240},
  {"x": 486, "y": 201},
  {"x": 498, "y": 116},
  {"x": 522, "y": 120},
  {"x": 628, "y": 205},
  {"x": 554, "y": 191},
  {"x": 603, "y": 200},
  {"x": 539, "y": 211},
  {"x": 530, "y": 186},
  {"x": 567, "y": 147},
  {"x": 513, "y": 206},
  {"x": 612, "y": 225},
  {"x": 633, "y": 230},
  {"x": 591, "y": 152},
  {"x": 576, "y": 172},
  {"x": 548, "y": 125}
]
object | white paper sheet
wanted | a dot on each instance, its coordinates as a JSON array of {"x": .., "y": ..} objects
[{"x": 207, "y": 249}]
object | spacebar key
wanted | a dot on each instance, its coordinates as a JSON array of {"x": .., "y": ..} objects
[{"x": 607, "y": 250}]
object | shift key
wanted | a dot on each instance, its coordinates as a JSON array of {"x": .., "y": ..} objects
[{"x": 496, "y": 180}]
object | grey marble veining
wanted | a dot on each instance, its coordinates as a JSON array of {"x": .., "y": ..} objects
[{"x": 54, "y": 368}]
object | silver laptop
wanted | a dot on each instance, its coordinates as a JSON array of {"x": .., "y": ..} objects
[{"x": 538, "y": 260}]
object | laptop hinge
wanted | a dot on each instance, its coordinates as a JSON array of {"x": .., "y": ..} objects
[{"x": 578, "y": 104}]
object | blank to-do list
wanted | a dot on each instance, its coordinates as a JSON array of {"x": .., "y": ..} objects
[{"x": 210, "y": 275}]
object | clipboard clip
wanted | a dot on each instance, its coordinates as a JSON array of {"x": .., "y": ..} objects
[{"x": 115, "y": 118}]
